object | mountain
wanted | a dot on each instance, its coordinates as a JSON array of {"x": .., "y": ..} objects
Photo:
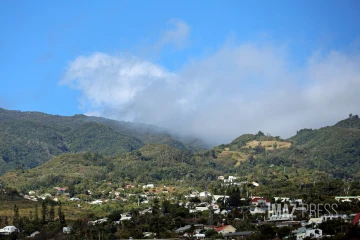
[
  {"x": 150, "y": 163},
  {"x": 281, "y": 166},
  {"x": 28, "y": 139},
  {"x": 334, "y": 150}
]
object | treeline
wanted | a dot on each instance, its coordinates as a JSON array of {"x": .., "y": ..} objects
[{"x": 48, "y": 221}]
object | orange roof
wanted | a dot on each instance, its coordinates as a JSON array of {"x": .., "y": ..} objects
[
  {"x": 220, "y": 228},
  {"x": 257, "y": 199}
]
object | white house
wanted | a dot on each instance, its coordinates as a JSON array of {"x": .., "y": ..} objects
[
  {"x": 316, "y": 233},
  {"x": 315, "y": 220},
  {"x": 260, "y": 201},
  {"x": 204, "y": 194},
  {"x": 221, "y": 178},
  {"x": 302, "y": 233},
  {"x": 125, "y": 217},
  {"x": 148, "y": 186},
  {"x": 217, "y": 197},
  {"x": 99, "y": 202},
  {"x": 67, "y": 229},
  {"x": 33, "y": 234},
  {"x": 257, "y": 210},
  {"x": 8, "y": 230}
]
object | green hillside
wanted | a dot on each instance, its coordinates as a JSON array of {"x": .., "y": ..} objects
[
  {"x": 334, "y": 150},
  {"x": 28, "y": 139},
  {"x": 151, "y": 163}
]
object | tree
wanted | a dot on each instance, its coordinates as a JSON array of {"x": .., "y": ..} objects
[
  {"x": 16, "y": 216},
  {"x": 283, "y": 232},
  {"x": 267, "y": 230},
  {"x": 61, "y": 215},
  {"x": 155, "y": 207},
  {"x": 43, "y": 212},
  {"x": 36, "y": 216},
  {"x": 52, "y": 213},
  {"x": 260, "y": 133},
  {"x": 71, "y": 190}
]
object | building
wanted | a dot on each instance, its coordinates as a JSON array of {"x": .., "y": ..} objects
[
  {"x": 347, "y": 198},
  {"x": 303, "y": 232},
  {"x": 260, "y": 201},
  {"x": 225, "y": 229},
  {"x": 238, "y": 235},
  {"x": 8, "y": 230},
  {"x": 67, "y": 229},
  {"x": 257, "y": 210}
]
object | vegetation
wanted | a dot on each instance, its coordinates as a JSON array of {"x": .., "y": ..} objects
[
  {"x": 96, "y": 158},
  {"x": 28, "y": 139}
]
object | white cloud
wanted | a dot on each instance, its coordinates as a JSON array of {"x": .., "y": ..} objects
[
  {"x": 177, "y": 36},
  {"x": 238, "y": 89}
]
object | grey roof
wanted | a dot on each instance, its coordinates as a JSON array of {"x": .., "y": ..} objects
[
  {"x": 182, "y": 229},
  {"x": 247, "y": 233}
]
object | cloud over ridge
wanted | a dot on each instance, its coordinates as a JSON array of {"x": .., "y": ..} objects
[{"x": 238, "y": 89}]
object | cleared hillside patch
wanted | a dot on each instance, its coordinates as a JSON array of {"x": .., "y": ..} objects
[
  {"x": 269, "y": 145},
  {"x": 238, "y": 156}
]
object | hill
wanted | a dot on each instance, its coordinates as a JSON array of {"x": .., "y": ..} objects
[
  {"x": 28, "y": 139},
  {"x": 151, "y": 163},
  {"x": 333, "y": 149}
]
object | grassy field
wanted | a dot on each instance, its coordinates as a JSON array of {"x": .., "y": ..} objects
[
  {"x": 70, "y": 209},
  {"x": 238, "y": 156},
  {"x": 269, "y": 145}
]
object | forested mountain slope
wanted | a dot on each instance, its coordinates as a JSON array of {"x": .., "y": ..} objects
[{"x": 28, "y": 139}]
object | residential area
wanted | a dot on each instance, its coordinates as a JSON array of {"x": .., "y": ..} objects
[{"x": 158, "y": 211}]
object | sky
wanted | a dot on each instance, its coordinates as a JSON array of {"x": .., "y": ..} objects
[{"x": 210, "y": 69}]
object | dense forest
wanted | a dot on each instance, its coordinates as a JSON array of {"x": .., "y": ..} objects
[{"x": 28, "y": 139}]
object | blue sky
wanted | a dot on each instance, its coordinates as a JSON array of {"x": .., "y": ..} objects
[{"x": 228, "y": 58}]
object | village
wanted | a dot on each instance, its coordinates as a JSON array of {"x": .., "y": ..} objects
[{"x": 210, "y": 213}]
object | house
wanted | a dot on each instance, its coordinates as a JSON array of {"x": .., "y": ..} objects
[
  {"x": 98, "y": 221},
  {"x": 225, "y": 229},
  {"x": 230, "y": 179},
  {"x": 60, "y": 191},
  {"x": 316, "y": 233},
  {"x": 183, "y": 229},
  {"x": 99, "y": 202},
  {"x": 238, "y": 235},
  {"x": 257, "y": 210},
  {"x": 198, "y": 209},
  {"x": 33, "y": 234},
  {"x": 8, "y": 230},
  {"x": 260, "y": 201},
  {"x": 315, "y": 220},
  {"x": 204, "y": 195},
  {"x": 300, "y": 233},
  {"x": 347, "y": 198},
  {"x": 125, "y": 217},
  {"x": 148, "y": 186},
  {"x": 335, "y": 217},
  {"x": 222, "y": 197},
  {"x": 281, "y": 217},
  {"x": 282, "y": 199},
  {"x": 303, "y": 232},
  {"x": 67, "y": 229}
]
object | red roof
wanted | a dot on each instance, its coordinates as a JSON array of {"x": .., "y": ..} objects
[
  {"x": 220, "y": 228},
  {"x": 257, "y": 199}
]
